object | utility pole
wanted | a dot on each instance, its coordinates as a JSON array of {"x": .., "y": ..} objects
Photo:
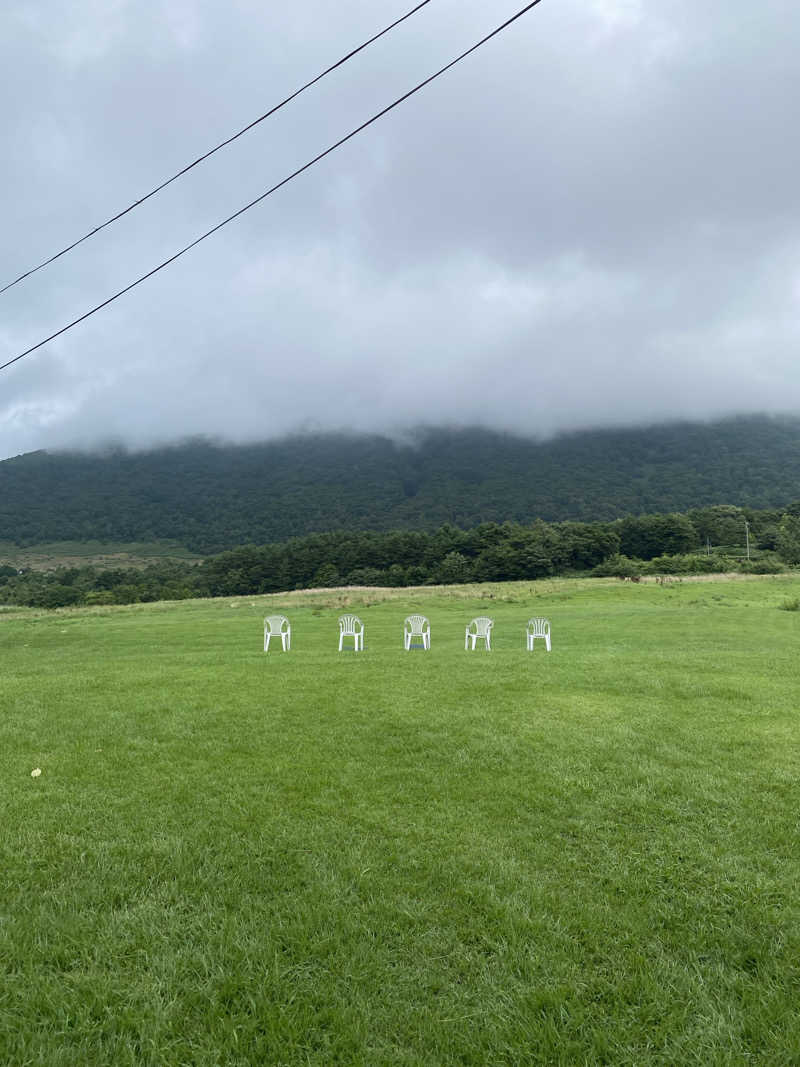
[{"x": 747, "y": 536}]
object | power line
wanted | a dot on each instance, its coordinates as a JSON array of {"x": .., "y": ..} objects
[
  {"x": 222, "y": 144},
  {"x": 274, "y": 188}
]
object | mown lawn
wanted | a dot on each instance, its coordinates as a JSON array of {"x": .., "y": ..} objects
[{"x": 404, "y": 858}]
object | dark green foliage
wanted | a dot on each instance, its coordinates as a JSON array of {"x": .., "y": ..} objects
[
  {"x": 766, "y": 565},
  {"x": 722, "y": 524},
  {"x": 691, "y": 564},
  {"x": 448, "y": 556},
  {"x": 618, "y": 566},
  {"x": 645, "y": 536},
  {"x": 211, "y": 498},
  {"x": 64, "y": 587},
  {"x": 788, "y": 539}
]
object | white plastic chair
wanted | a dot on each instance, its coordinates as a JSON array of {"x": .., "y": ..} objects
[
  {"x": 416, "y": 626},
  {"x": 480, "y": 628},
  {"x": 351, "y": 626},
  {"x": 277, "y": 626},
  {"x": 538, "y": 627}
]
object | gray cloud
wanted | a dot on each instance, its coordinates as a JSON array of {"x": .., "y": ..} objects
[{"x": 592, "y": 221}]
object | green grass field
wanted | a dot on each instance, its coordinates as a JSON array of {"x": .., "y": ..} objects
[{"x": 415, "y": 858}]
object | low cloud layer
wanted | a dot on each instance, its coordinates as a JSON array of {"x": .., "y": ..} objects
[{"x": 592, "y": 221}]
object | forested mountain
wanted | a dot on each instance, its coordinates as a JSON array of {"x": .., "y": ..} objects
[{"x": 211, "y": 497}]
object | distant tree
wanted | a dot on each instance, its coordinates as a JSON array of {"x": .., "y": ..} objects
[
  {"x": 646, "y": 536},
  {"x": 366, "y": 576},
  {"x": 56, "y": 595},
  {"x": 417, "y": 576},
  {"x": 326, "y": 575},
  {"x": 617, "y": 566},
  {"x": 98, "y": 597},
  {"x": 583, "y": 545},
  {"x": 455, "y": 569},
  {"x": 722, "y": 524},
  {"x": 788, "y": 540},
  {"x": 396, "y": 576},
  {"x": 768, "y": 537}
]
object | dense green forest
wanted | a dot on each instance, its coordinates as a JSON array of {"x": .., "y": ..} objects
[
  {"x": 213, "y": 497},
  {"x": 705, "y": 540}
]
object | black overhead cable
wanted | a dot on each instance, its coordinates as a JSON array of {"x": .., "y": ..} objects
[
  {"x": 274, "y": 188},
  {"x": 222, "y": 144}
]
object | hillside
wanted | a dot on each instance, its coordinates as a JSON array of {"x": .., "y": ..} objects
[{"x": 210, "y": 497}]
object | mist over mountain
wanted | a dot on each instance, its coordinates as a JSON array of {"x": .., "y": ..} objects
[
  {"x": 592, "y": 221},
  {"x": 209, "y": 496}
]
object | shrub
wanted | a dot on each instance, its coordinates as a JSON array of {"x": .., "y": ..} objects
[
  {"x": 326, "y": 575},
  {"x": 455, "y": 569},
  {"x": 688, "y": 564},
  {"x": 366, "y": 576},
  {"x": 790, "y": 605},
  {"x": 100, "y": 596},
  {"x": 761, "y": 566},
  {"x": 617, "y": 566}
]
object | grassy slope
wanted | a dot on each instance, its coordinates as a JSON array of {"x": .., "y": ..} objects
[
  {"x": 402, "y": 858},
  {"x": 101, "y": 554}
]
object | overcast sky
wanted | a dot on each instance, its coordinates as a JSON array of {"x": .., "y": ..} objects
[{"x": 594, "y": 220}]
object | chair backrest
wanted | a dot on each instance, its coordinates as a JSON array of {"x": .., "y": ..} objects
[
  {"x": 482, "y": 625},
  {"x": 276, "y": 624},
  {"x": 417, "y": 624},
  {"x": 538, "y": 627},
  {"x": 350, "y": 624}
]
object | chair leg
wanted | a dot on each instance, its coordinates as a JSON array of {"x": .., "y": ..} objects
[{"x": 547, "y": 642}]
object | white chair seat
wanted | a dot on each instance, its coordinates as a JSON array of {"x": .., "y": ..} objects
[
  {"x": 416, "y": 626},
  {"x": 538, "y": 628},
  {"x": 277, "y": 626},
  {"x": 351, "y": 626},
  {"x": 479, "y": 629}
]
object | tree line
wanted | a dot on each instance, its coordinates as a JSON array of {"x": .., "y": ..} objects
[{"x": 701, "y": 540}]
